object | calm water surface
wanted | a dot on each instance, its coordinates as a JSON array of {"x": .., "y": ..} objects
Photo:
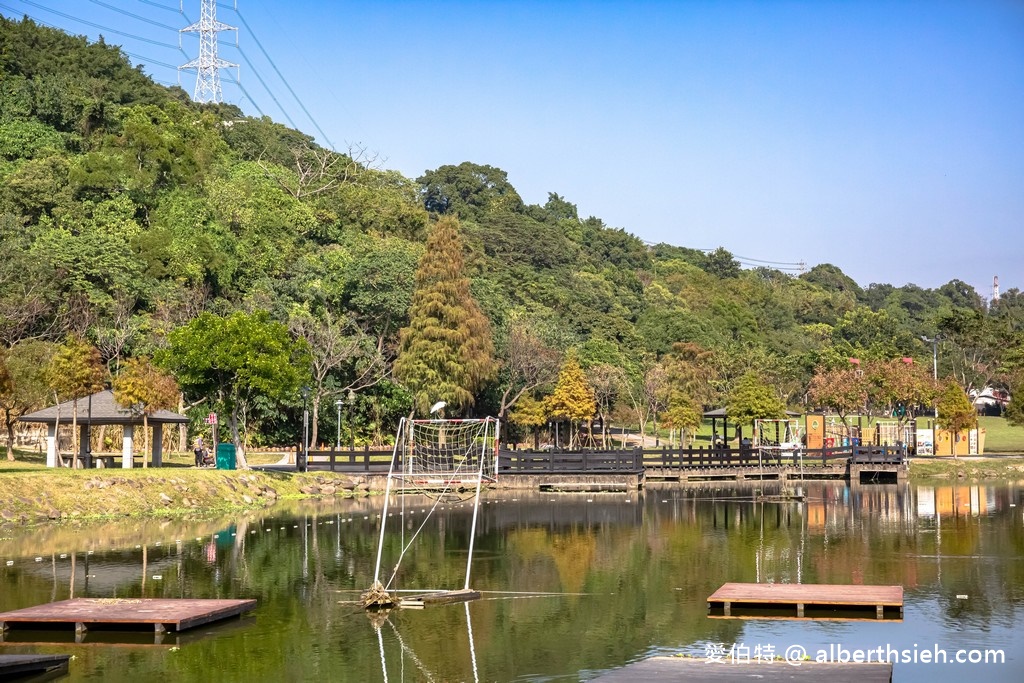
[{"x": 573, "y": 584}]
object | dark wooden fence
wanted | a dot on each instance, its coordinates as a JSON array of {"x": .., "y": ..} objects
[{"x": 378, "y": 461}]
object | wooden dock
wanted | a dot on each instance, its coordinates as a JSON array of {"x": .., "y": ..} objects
[
  {"x": 19, "y": 667},
  {"x": 125, "y": 613},
  {"x": 810, "y": 600},
  {"x": 657, "y": 669}
]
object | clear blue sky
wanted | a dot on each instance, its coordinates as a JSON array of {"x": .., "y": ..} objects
[{"x": 884, "y": 137}]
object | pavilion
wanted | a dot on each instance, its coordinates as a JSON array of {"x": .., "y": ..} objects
[
  {"x": 721, "y": 414},
  {"x": 101, "y": 409}
]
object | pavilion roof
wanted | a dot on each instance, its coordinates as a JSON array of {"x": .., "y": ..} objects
[{"x": 101, "y": 410}]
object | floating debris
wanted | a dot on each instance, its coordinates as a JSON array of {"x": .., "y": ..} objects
[
  {"x": 158, "y": 577},
  {"x": 39, "y": 559},
  {"x": 961, "y": 596}
]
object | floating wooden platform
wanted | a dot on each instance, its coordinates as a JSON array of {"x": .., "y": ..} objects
[
  {"x": 21, "y": 666},
  {"x": 658, "y": 669},
  {"x": 163, "y": 615},
  {"x": 811, "y": 600},
  {"x": 440, "y": 598}
]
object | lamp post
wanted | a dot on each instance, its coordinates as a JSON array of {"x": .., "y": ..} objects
[
  {"x": 351, "y": 427},
  {"x": 303, "y": 463},
  {"x": 934, "y": 341},
  {"x": 337, "y": 442}
]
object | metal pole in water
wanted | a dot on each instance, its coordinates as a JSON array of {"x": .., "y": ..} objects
[{"x": 387, "y": 497}]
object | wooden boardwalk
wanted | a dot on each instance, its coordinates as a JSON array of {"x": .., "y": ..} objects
[
  {"x": 20, "y": 667},
  {"x": 162, "y": 614},
  {"x": 811, "y": 600},
  {"x": 657, "y": 669}
]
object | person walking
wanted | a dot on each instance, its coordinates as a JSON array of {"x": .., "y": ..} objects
[{"x": 199, "y": 451}]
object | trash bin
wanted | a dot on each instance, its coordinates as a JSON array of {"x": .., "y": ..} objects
[{"x": 225, "y": 456}]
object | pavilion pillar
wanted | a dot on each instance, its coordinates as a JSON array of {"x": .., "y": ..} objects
[
  {"x": 158, "y": 445},
  {"x": 51, "y": 445},
  {"x": 83, "y": 439},
  {"x": 126, "y": 448}
]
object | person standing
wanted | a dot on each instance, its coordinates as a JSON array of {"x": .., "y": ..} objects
[{"x": 199, "y": 451}]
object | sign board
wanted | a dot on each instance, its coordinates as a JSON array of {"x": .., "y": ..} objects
[
  {"x": 925, "y": 446},
  {"x": 211, "y": 419}
]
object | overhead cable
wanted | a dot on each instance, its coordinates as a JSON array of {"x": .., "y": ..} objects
[
  {"x": 284, "y": 80},
  {"x": 101, "y": 27}
]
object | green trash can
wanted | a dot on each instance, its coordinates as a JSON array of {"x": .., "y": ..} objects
[{"x": 225, "y": 456}]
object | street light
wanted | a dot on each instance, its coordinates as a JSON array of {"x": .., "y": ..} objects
[
  {"x": 303, "y": 463},
  {"x": 337, "y": 443},
  {"x": 934, "y": 341},
  {"x": 351, "y": 427}
]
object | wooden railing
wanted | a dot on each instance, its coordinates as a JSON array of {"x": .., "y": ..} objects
[
  {"x": 365, "y": 460},
  {"x": 557, "y": 461}
]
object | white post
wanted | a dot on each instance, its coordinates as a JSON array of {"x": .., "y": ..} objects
[
  {"x": 126, "y": 448},
  {"x": 158, "y": 445},
  {"x": 51, "y": 445}
]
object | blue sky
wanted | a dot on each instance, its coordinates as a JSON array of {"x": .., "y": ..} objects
[{"x": 886, "y": 138}]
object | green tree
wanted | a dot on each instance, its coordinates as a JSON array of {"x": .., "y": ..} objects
[
  {"x": 898, "y": 388},
  {"x": 75, "y": 370},
  {"x": 236, "y": 362},
  {"x": 446, "y": 352},
  {"x": 468, "y": 190},
  {"x": 753, "y": 399},
  {"x": 572, "y": 399},
  {"x": 683, "y": 413},
  {"x": 955, "y": 410},
  {"x": 144, "y": 389},
  {"x": 23, "y": 383}
]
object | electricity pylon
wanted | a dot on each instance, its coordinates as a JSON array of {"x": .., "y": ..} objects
[{"x": 208, "y": 65}]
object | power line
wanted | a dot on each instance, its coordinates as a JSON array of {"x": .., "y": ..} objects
[
  {"x": 100, "y": 27},
  {"x": 283, "y": 80},
  {"x": 144, "y": 60},
  {"x": 157, "y": 4},
  {"x": 133, "y": 16}
]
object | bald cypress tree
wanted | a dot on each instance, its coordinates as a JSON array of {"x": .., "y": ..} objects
[{"x": 447, "y": 352}]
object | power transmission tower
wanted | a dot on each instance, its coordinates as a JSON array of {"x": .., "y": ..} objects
[{"x": 208, "y": 65}]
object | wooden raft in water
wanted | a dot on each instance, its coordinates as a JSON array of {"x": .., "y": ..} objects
[
  {"x": 659, "y": 669},
  {"x": 811, "y": 600},
  {"x": 440, "y": 598},
  {"x": 161, "y": 614},
  {"x": 21, "y": 666}
]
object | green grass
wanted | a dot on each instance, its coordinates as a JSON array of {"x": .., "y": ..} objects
[{"x": 1001, "y": 437}]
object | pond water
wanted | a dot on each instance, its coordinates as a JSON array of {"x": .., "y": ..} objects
[{"x": 572, "y": 585}]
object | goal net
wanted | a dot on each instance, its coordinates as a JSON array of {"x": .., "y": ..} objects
[
  {"x": 440, "y": 453},
  {"x": 776, "y": 439},
  {"x": 436, "y": 458}
]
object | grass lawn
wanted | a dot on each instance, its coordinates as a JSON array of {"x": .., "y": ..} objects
[{"x": 1000, "y": 437}]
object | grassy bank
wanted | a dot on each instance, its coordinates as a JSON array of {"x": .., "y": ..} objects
[
  {"x": 31, "y": 493},
  {"x": 968, "y": 469}
]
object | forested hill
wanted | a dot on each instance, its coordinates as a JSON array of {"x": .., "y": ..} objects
[{"x": 126, "y": 210}]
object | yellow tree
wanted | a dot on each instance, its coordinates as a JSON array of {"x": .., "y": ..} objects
[
  {"x": 955, "y": 411},
  {"x": 572, "y": 399},
  {"x": 144, "y": 389},
  {"x": 75, "y": 370},
  {"x": 529, "y": 412}
]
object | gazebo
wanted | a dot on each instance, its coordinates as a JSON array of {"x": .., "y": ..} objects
[
  {"x": 101, "y": 409},
  {"x": 720, "y": 414}
]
